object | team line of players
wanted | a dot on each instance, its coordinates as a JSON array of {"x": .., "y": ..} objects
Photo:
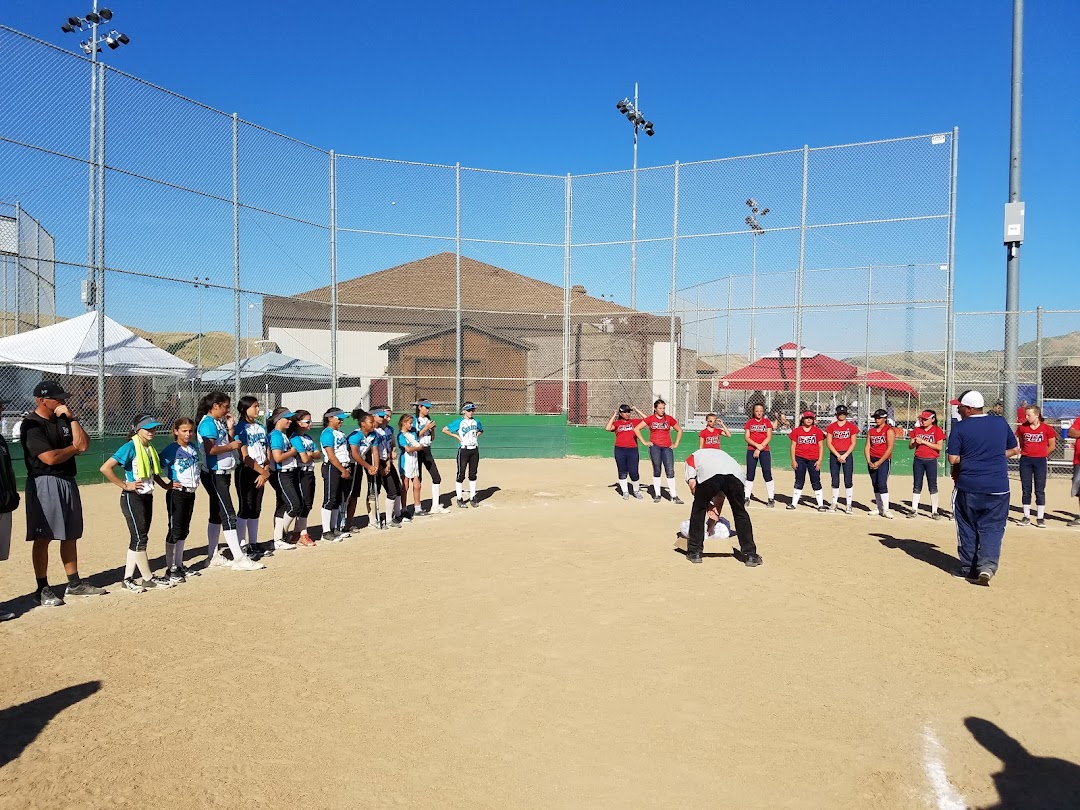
[{"x": 810, "y": 444}]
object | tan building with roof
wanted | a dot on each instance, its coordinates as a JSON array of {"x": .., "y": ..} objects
[{"x": 513, "y": 341}]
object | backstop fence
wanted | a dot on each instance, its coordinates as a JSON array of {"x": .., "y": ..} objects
[{"x": 801, "y": 278}]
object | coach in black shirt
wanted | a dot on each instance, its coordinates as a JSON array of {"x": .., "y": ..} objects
[{"x": 51, "y": 437}]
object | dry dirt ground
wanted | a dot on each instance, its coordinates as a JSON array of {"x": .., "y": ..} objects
[{"x": 551, "y": 649}]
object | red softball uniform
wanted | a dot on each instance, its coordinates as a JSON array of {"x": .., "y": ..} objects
[
  {"x": 1076, "y": 446},
  {"x": 758, "y": 429},
  {"x": 808, "y": 442},
  {"x": 624, "y": 432},
  {"x": 879, "y": 440},
  {"x": 843, "y": 435},
  {"x": 933, "y": 434},
  {"x": 711, "y": 437},
  {"x": 1035, "y": 441},
  {"x": 660, "y": 428}
]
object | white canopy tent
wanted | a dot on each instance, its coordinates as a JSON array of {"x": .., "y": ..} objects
[{"x": 71, "y": 347}]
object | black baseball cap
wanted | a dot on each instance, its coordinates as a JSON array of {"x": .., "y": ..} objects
[
  {"x": 624, "y": 409},
  {"x": 841, "y": 409},
  {"x": 50, "y": 389},
  {"x": 880, "y": 413}
]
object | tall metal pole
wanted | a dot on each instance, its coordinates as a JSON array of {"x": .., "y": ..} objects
[
  {"x": 18, "y": 270},
  {"x": 727, "y": 328},
  {"x": 1012, "y": 271},
  {"x": 633, "y": 215},
  {"x": 753, "y": 302},
  {"x": 865, "y": 412},
  {"x": 1038, "y": 358},
  {"x": 799, "y": 284},
  {"x": 334, "y": 284},
  {"x": 567, "y": 209},
  {"x": 91, "y": 205},
  {"x": 236, "y": 250},
  {"x": 458, "y": 348},
  {"x": 950, "y": 315},
  {"x": 674, "y": 359},
  {"x": 100, "y": 296}
]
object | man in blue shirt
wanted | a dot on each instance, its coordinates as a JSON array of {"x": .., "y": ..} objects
[{"x": 979, "y": 449}]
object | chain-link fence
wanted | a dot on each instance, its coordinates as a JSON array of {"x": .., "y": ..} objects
[{"x": 800, "y": 279}]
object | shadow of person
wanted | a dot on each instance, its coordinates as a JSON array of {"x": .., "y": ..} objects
[
  {"x": 485, "y": 493},
  {"x": 21, "y": 724},
  {"x": 920, "y": 550},
  {"x": 1026, "y": 781}
]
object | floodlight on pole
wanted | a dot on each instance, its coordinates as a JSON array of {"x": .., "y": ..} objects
[
  {"x": 753, "y": 221},
  {"x": 636, "y": 117}
]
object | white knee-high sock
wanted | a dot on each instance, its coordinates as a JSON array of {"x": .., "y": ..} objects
[
  {"x": 459, "y": 487},
  {"x": 835, "y": 495},
  {"x": 635, "y": 486},
  {"x": 1040, "y": 510},
  {"x": 850, "y": 496},
  {"x": 933, "y": 503},
  {"x": 472, "y": 490},
  {"x": 915, "y": 498},
  {"x": 770, "y": 488},
  {"x": 885, "y": 500},
  {"x": 129, "y": 567},
  {"x": 623, "y": 487},
  {"x": 795, "y": 495},
  {"x": 234, "y": 544},
  {"x": 213, "y": 532},
  {"x": 327, "y": 519},
  {"x": 279, "y": 528},
  {"x": 820, "y": 499},
  {"x": 671, "y": 486},
  {"x": 1027, "y": 510},
  {"x": 287, "y": 525},
  {"x": 435, "y": 495},
  {"x": 656, "y": 485},
  {"x": 144, "y": 565},
  {"x": 748, "y": 488}
]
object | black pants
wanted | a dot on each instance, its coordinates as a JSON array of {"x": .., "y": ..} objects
[
  {"x": 835, "y": 466},
  {"x": 138, "y": 512},
  {"x": 704, "y": 492},
  {"x": 921, "y": 467},
  {"x": 626, "y": 462},
  {"x": 880, "y": 477},
  {"x": 764, "y": 459},
  {"x": 286, "y": 484},
  {"x": 389, "y": 479},
  {"x": 334, "y": 488},
  {"x": 426, "y": 461},
  {"x": 222, "y": 511},
  {"x": 468, "y": 459},
  {"x": 307, "y": 492},
  {"x": 1033, "y": 472},
  {"x": 804, "y": 466},
  {"x": 248, "y": 495},
  {"x": 179, "y": 505}
]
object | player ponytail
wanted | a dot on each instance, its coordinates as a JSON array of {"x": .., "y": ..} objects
[{"x": 209, "y": 401}]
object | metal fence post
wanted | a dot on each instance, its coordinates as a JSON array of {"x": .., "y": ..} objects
[
  {"x": 674, "y": 359},
  {"x": 950, "y": 315},
  {"x": 1038, "y": 356},
  {"x": 458, "y": 347},
  {"x": 236, "y": 250},
  {"x": 333, "y": 282},
  {"x": 100, "y": 296},
  {"x": 866, "y": 372},
  {"x": 567, "y": 233},
  {"x": 799, "y": 285}
]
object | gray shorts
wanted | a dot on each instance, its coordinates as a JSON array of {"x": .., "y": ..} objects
[
  {"x": 1076, "y": 481},
  {"x": 53, "y": 509},
  {"x": 5, "y": 535}
]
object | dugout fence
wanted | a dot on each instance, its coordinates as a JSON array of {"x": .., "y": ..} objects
[{"x": 546, "y": 299}]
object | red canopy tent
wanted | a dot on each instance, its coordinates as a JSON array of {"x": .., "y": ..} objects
[
  {"x": 884, "y": 381},
  {"x": 776, "y": 372}
]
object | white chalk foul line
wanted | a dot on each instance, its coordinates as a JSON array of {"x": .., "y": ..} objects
[{"x": 946, "y": 797}]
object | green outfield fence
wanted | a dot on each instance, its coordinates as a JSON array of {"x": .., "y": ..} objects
[{"x": 505, "y": 436}]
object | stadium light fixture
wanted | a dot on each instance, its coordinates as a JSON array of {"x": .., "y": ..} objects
[{"x": 637, "y": 119}]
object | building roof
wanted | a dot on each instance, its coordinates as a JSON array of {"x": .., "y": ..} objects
[
  {"x": 420, "y": 337},
  {"x": 483, "y": 287}
]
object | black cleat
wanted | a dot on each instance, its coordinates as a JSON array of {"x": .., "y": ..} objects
[
  {"x": 752, "y": 560},
  {"x": 694, "y": 557}
]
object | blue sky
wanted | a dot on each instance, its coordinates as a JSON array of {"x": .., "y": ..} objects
[{"x": 532, "y": 87}]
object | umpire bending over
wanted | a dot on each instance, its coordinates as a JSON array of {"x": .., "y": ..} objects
[
  {"x": 979, "y": 449},
  {"x": 716, "y": 475},
  {"x": 51, "y": 438}
]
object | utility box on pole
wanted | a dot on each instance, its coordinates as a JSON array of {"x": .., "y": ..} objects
[{"x": 1014, "y": 222}]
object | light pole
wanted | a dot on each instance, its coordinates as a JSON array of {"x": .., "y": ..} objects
[
  {"x": 634, "y": 116},
  {"x": 1014, "y": 216},
  {"x": 201, "y": 283},
  {"x": 247, "y": 330},
  {"x": 753, "y": 220}
]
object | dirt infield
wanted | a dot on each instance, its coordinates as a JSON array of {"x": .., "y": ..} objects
[{"x": 551, "y": 649}]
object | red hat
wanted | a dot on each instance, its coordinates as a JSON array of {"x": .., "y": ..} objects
[
  {"x": 926, "y": 415},
  {"x": 954, "y": 402},
  {"x": 809, "y": 415}
]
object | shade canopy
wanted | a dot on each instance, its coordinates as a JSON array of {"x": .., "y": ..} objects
[
  {"x": 776, "y": 372},
  {"x": 277, "y": 373},
  {"x": 71, "y": 347},
  {"x": 884, "y": 381}
]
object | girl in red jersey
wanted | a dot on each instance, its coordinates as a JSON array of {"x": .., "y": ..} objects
[
  {"x": 1037, "y": 441},
  {"x": 661, "y": 449},
  {"x": 807, "y": 452},
  {"x": 927, "y": 440},
  {"x": 878, "y": 452},
  {"x": 710, "y": 436},
  {"x": 622, "y": 424},
  {"x": 758, "y": 433},
  {"x": 840, "y": 440}
]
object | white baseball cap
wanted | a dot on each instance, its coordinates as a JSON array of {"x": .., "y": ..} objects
[{"x": 972, "y": 399}]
